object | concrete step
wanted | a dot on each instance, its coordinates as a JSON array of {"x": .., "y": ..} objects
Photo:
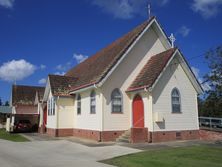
[{"x": 123, "y": 140}]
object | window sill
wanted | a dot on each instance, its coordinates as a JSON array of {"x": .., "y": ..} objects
[
  {"x": 116, "y": 112},
  {"x": 93, "y": 113},
  {"x": 176, "y": 112}
]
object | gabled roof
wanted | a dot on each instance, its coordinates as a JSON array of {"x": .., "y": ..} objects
[
  {"x": 60, "y": 85},
  {"x": 154, "y": 68},
  {"x": 25, "y": 95},
  {"x": 94, "y": 69},
  {"x": 151, "y": 70}
]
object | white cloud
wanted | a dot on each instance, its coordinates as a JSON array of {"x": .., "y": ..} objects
[
  {"x": 16, "y": 70},
  {"x": 162, "y": 2},
  {"x": 184, "y": 31},
  {"x": 42, "y": 81},
  {"x": 122, "y": 9},
  {"x": 205, "y": 85},
  {"x": 79, "y": 57},
  {"x": 7, "y": 3},
  {"x": 207, "y": 8},
  {"x": 42, "y": 66},
  {"x": 59, "y": 73}
]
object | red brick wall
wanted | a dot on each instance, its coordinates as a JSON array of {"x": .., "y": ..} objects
[
  {"x": 174, "y": 135},
  {"x": 89, "y": 134},
  {"x": 51, "y": 132},
  {"x": 139, "y": 135},
  {"x": 210, "y": 135},
  {"x": 110, "y": 135},
  {"x": 64, "y": 132},
  {"x": 97, "y": 135}
]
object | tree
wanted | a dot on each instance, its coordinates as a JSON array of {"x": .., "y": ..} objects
[
  {"x": 212, "y": 105},
  {"x": 7, "y": 103},
  {"x": 0, "y": 101}
]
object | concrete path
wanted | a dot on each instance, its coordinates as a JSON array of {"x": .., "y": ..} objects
[{"x": 57, "y": 153}]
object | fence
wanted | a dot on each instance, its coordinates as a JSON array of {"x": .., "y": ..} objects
[{"x": 210, "y": 122}]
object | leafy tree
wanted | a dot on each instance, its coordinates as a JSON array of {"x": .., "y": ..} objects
[
  {"x": 7, "y": 103},
  {"x": 212, "y": 105},
  {"x": 0, "y": 101}
]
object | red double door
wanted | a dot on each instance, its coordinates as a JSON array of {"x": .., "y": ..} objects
[{"x": 138, "y": 112}]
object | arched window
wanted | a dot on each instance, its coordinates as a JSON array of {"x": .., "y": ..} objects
[
  {"x": 93, "y": 102},
  {"x": 116, "y": 99},
  {"x": 176, "y": 101},
  {"x": 78, "y": 104}
]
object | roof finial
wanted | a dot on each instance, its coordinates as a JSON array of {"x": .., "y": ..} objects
[
  {"x": 149, "y": 10},
  {"x": 172, "y": 40}
]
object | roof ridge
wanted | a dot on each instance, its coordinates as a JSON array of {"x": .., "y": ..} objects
[{"x": 97, "y": 66}]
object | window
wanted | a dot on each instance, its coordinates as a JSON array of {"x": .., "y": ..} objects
[
  {"x": 175, "y": 99},
  {"x": 116, "y": 99},
  {"x": 78, "y": 104},
  {"x": 51, "y": 106},
  {"x": 93, "y": 102}
]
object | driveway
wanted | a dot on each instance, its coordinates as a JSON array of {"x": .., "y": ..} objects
[{"x": 57, "y": 153}]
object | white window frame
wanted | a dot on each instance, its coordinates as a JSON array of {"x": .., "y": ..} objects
[
  {"x": 113, "y": 99},
  {"x": 178, "y": 102},
  {"x": 79, "y": 103},
  {"x": 93, "y": 102}
]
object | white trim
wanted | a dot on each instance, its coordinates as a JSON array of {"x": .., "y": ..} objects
[
  {"x": 84, "y": 89},
  {"x": 47, "y": 90},
  {"x": 185, "y": 66},
  {"x": 130, "y": 48},
  {"x": 165, "y": 41}
]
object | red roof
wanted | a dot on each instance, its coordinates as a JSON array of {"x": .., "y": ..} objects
[
  {"x": 151, "y": 70},
  {"x": 25, "y": 95},
  {"x": 95, "y": 68}
]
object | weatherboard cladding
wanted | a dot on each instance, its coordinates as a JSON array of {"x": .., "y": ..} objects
[
  {"x": 151, "y": 70},
  {"x": 25, "y": 95}
]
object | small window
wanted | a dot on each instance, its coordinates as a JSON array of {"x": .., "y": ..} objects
[
  {"x": 49, "y": 107},
  {"x": 78, "y": 104},
  {"x": 175, "y": 98},
  {"x": 116, "y": 99},
  {"x": 53, "y": 106},
  {"x": 93, "y": 102}
]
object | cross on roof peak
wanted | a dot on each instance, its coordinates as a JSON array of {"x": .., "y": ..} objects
[{"x": 172, "y": 39}]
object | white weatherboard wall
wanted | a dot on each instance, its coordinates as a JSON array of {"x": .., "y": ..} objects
[
  {"x": 86, "y": 120},
  {"x": 175, "y": 76},
  {"x": 65, "y": 110},
  {"x": 51, "y": 119},
  {"x": 124, "y": 75}
]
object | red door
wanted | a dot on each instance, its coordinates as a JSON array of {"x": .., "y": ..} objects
[{"x": 138, "y": 112}]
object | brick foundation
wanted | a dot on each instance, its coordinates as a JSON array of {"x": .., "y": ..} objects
[
  {"x": 139, "y": 135},
  {"x": 110, "y": 135},
  {"x": 89, "y": 134},
  {"x": 83, "y": 133},
  {"x": 59, "y": 132},
  {"x": 210, "y": 135},
  {"x": 174, "y": 135}
]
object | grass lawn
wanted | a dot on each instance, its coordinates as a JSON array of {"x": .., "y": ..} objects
[
  {"x": 196, "y": 156},
  {"x": 12, "y": 137}
]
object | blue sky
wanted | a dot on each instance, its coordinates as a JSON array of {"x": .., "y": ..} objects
[{"x": 41, "y": 37}]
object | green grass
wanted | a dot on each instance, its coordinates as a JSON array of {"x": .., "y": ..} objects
[
  {"x": 12, "y": 137},
  {"x": 196, "y": 156}
]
